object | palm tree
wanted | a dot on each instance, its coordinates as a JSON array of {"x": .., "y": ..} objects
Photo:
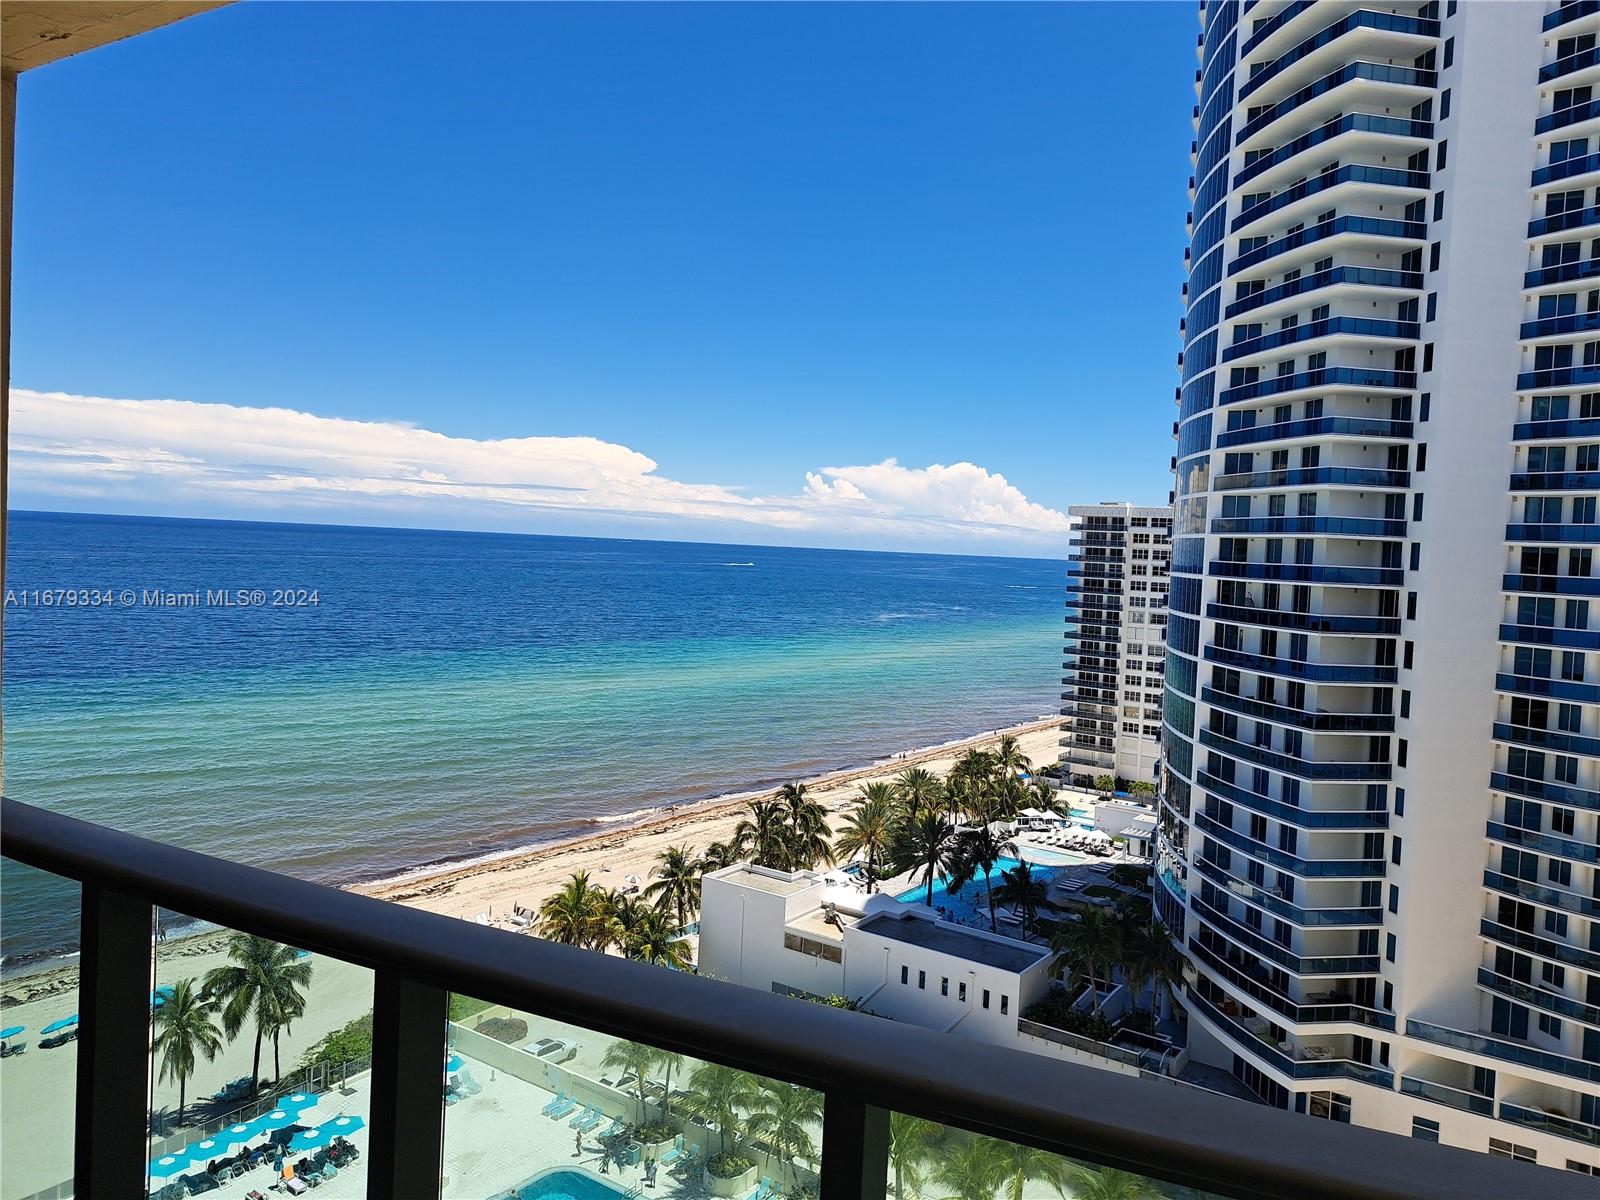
[
  {"x": 783, "y": 1116},
  {"x": 1149, "y": 958},
  {"x": 580, "y": 914},
  {"x": 987, "y": 846},
  {"x": 868, "y": 829},
  {"x": 1086, "y": 950},
  {"x": 910, "y": 1143},
  {"x": 650, "y": 936},
  {"x": 668, "y": 1062},
  {"x": 718, "y": 1095},
  {"x": 718, "y": 855},
  {"x": 973, "y": 1171},
  {"x": 635, "y": 1059},
  {"x": 764, "y": 835},
  {"x": 1008, "y": 756},
  {"x": 929, "y": 843},
  {"x": 1020, "y": 890},
  {"x": 808, "y": 827},
  {"x": 677, "y": 883},
  {"x": 264, "y": 982},
  {"x": 1107, "y": 1184},
  {"x": 1028, "y": 1163},
  {"x": 918, "y": 790},
  {"x": 186, "y": 1026}
]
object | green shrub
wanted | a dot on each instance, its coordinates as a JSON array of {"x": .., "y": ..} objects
[
  {"x": 350, "y": 1043},
  {"x": 838, "y": 1001},
  {"x": 655, "y": 1131},
  {"x": 728, "y": 1166},
  {"x": 462, "y": 1007},
  {"x": 1056, "y": 1010}
]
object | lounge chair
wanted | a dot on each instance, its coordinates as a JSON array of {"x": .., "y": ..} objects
[
  {"x": 673, "y": 1152},
  {"x": 555, "y": 1103},
  {"x": 562, "y": 1109},
  {"x": 589, "y": 1122},
  {"x": 466, "y": 1085},
  {"x": 577, "y": 1121}
]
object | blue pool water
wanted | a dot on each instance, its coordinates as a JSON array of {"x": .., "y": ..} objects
[
  {"x": 567, "y": 1185},
  {"x": 969, "y": 902}
]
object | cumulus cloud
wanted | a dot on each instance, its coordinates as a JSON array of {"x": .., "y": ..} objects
[{"x": 196, "y": 458}]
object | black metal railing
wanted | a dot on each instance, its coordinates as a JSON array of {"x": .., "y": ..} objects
[{"x": 865, "y": 1067}]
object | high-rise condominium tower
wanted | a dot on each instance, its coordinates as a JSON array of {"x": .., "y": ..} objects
[
  {"x": 1115, "y": 646},
  {"x": 1382, "y": 728}
]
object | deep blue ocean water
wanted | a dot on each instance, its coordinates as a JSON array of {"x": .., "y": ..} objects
[{"x": 455, "y": 694}]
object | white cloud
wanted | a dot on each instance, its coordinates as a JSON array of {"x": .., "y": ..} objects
[{"x": 200, "y": 459}]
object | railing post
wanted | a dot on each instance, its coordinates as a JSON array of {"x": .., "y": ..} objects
[
  {"x": 855, "y": 1149},
  {"x": 406, "y": 1145},
  {"x": 113, "y": 1044}
]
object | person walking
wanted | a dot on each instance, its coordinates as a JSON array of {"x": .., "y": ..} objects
[{"x": 577, "y": 1146}]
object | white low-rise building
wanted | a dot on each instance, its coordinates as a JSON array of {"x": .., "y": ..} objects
[{"x": 805, "y": 934}]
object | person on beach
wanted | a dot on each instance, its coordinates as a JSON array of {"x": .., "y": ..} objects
[{"x": 577, "y": 1146}]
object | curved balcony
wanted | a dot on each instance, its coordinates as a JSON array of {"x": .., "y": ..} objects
[
  {"x": 1310, "y": 1068},
  {"x": 1355, "y": 527},
  {"x": 1571, "y": 323},
  {"x": 1376, "y": 227},
  {"x": 1556, "y": 377},
  {"x": 1569, "y": 168},
  {"x": 1559, "y": 689},
  {"x": 1574, "y": 114},
  {"x": 1273, "y": 618},
  {"x": 1290, "y": 814},
  {"x": 1570, "y": 272},
  {"x": 1525, "y": 889},
  {"x": 1293, "y": 477},
  {"x": 1308, "y": 573},
  {"x": 1354, "y": 277},
  {"x": 1561, "y": 222},
  {"x": 1298, "y": 718},
  {"x": 1570, "y": 11},
  {"x": 1527, "y": 839},
  {"x": 1582, "y": 60},
  {"x": 1543, "y": 789},
  {"x": 1274, "y": 23},
  {"x": 1330, "y": 327},
  {"x": 1295, "y": 964},
  {"x": 1544, "y": 947},
  {"x": 1553, "y": 1123},
  {"x": 1387, "y": 177},
  {"x": 1440, "y": 1093},
  {"x": 1318, "y": 672},
  {"x": 1293, "y": 764},
  {"x": 1360, "y": 378},
  {"x": 1420, "y": 27},
  {"x": 1550, "y": 1002},
  {"x": 1494, "y": 1046},
  {"x": 1306, "y": 868},
  {"x": 1330, "y": 1012},
  {"x": 1309, "y": 918},
  {"x": 1382, "y": 73},
  {"x": 1366, "y": 428},
  {"x": 1547, "y": 739},
  {"x": 1402, "y": 127}
]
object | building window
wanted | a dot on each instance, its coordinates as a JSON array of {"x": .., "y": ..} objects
[
  {"x": 1390, "y": 947},
  {"x": 986, "y": 997},
  {"x": 1330, "y": 1106},
  {"x": 944, "y": 986},
  {"x": 1507, "y": 1150},
  {"x": 905, "y": 974},
  {"x": 1549, "y": 1026},
  {"x": 1426, "y": 1130},
  {"x": 961, "y": 992},
  {"x": 922, "y": 980},
  {"x": 1005, "y": 1004}
]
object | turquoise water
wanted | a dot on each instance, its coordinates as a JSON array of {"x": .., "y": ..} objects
[
  {"x": 566, "y": 1185},
  {"x": 453, "y": 695},
  {"x": 971, "y": 901}
]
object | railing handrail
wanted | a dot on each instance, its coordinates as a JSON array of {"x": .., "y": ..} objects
[{"x": 856, "y": 1060}]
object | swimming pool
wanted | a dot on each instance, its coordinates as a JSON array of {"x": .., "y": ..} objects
[
  {"x": 562, "y": 1184},
  {"x": 969, "y": 902}
]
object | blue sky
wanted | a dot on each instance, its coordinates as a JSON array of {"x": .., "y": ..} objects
[{"x": 694, "y": 271}]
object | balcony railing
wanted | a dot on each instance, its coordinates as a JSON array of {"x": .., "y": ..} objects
[
  {"x": 1495, "y": 1046},
  {"x": 864, "y": 1066},
  {"x": 1441, "y": 1093}
]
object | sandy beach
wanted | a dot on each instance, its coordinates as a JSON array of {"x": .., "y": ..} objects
[{"x": 527, "y": 879}]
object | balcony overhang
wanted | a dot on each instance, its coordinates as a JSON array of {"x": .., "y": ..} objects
[{"x": 35, "y": 33}]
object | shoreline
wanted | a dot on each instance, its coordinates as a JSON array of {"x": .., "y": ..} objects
[{"x": 618, "y": 846}]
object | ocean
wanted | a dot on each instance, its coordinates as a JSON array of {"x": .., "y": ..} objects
[{"x": 439, "y": 696}]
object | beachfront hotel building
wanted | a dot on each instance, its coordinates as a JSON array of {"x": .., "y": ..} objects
[
  {"x": 1378, "y": 836},
  {"x": 1115, "y": 650}
]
